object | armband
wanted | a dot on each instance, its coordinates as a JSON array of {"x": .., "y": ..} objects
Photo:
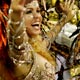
[{"x": 14, "y": 22}]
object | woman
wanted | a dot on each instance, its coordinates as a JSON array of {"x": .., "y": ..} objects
[{"x": 28, "y": 47}]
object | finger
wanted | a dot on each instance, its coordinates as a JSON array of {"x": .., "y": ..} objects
[
  {"x": 22, "y": 2},
  {"x": 18, "y": 5},
  {"x": 69, "y": 2},
  {"x": 62, "y": 6},
  {"x": 73, "y": 1},
  {"x": 65, "y": 2},
  {"x": 21, "y": 5}
]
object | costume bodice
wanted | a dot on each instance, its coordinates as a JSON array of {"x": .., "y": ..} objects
[
  {"x": 33, "y": 67},
  {"x": 41, "y": 69}
]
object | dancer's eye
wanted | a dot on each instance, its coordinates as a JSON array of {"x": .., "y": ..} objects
[
  {"x": 28, "y": 12},
  {"x": 38, "y": 10}
]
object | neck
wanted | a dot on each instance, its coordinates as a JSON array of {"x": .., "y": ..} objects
[{"x": 36, "y": 38}]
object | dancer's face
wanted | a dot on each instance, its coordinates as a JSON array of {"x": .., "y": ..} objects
[{"x": 33, "y": 18}]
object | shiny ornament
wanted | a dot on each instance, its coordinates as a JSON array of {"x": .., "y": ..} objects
[{"x": 53, "y": 2}]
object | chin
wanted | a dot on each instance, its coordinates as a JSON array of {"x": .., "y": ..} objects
[{"x": 37, "y": 33}]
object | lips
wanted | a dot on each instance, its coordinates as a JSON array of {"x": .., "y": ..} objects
[{"x": 36, "y": 25}]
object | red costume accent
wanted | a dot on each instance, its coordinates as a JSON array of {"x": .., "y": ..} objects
[{"x": 5, "y": 69}]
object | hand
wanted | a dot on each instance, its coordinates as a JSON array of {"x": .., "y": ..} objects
[
  {"x": 67, "y": 9},
  {"x": 18, "y": 5},
  {"x": 17, "y": 10}
]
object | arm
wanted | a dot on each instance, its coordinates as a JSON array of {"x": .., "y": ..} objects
[{"x": 67, "y": 16}]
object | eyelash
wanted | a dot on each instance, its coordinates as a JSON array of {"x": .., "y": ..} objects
[
  {"x": 28, "y": 12},
  {"x": 38, "y": 11}
]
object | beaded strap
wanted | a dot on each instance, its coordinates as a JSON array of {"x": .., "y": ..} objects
[{"x": 18, "y": 43}]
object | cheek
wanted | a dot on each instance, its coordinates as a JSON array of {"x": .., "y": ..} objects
[
  {"x": 41, "y": 18},
  {"x": 28, "y": 19}
]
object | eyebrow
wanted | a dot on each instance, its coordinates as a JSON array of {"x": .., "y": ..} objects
[
  {"x": 26, "y": 6},
  {"x": 31, "y": 8}
]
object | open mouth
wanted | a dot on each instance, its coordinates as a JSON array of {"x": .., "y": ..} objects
[{"x": 36, "y": 25}]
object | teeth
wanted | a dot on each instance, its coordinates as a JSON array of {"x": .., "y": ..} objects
[{"x": 35, "y": 24}]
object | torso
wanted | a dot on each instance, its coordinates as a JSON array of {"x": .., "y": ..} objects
[{"x": 37, "y": 65}]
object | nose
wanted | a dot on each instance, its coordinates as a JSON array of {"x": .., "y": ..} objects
[{"x": 37, "y": 15}]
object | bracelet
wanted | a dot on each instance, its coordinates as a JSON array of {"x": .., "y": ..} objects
[{"x": 15, "y": 23}]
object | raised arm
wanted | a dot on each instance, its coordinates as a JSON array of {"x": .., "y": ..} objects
[
  {"x": 17, "y": 33},
  {"x": 66, "y": 8}
]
